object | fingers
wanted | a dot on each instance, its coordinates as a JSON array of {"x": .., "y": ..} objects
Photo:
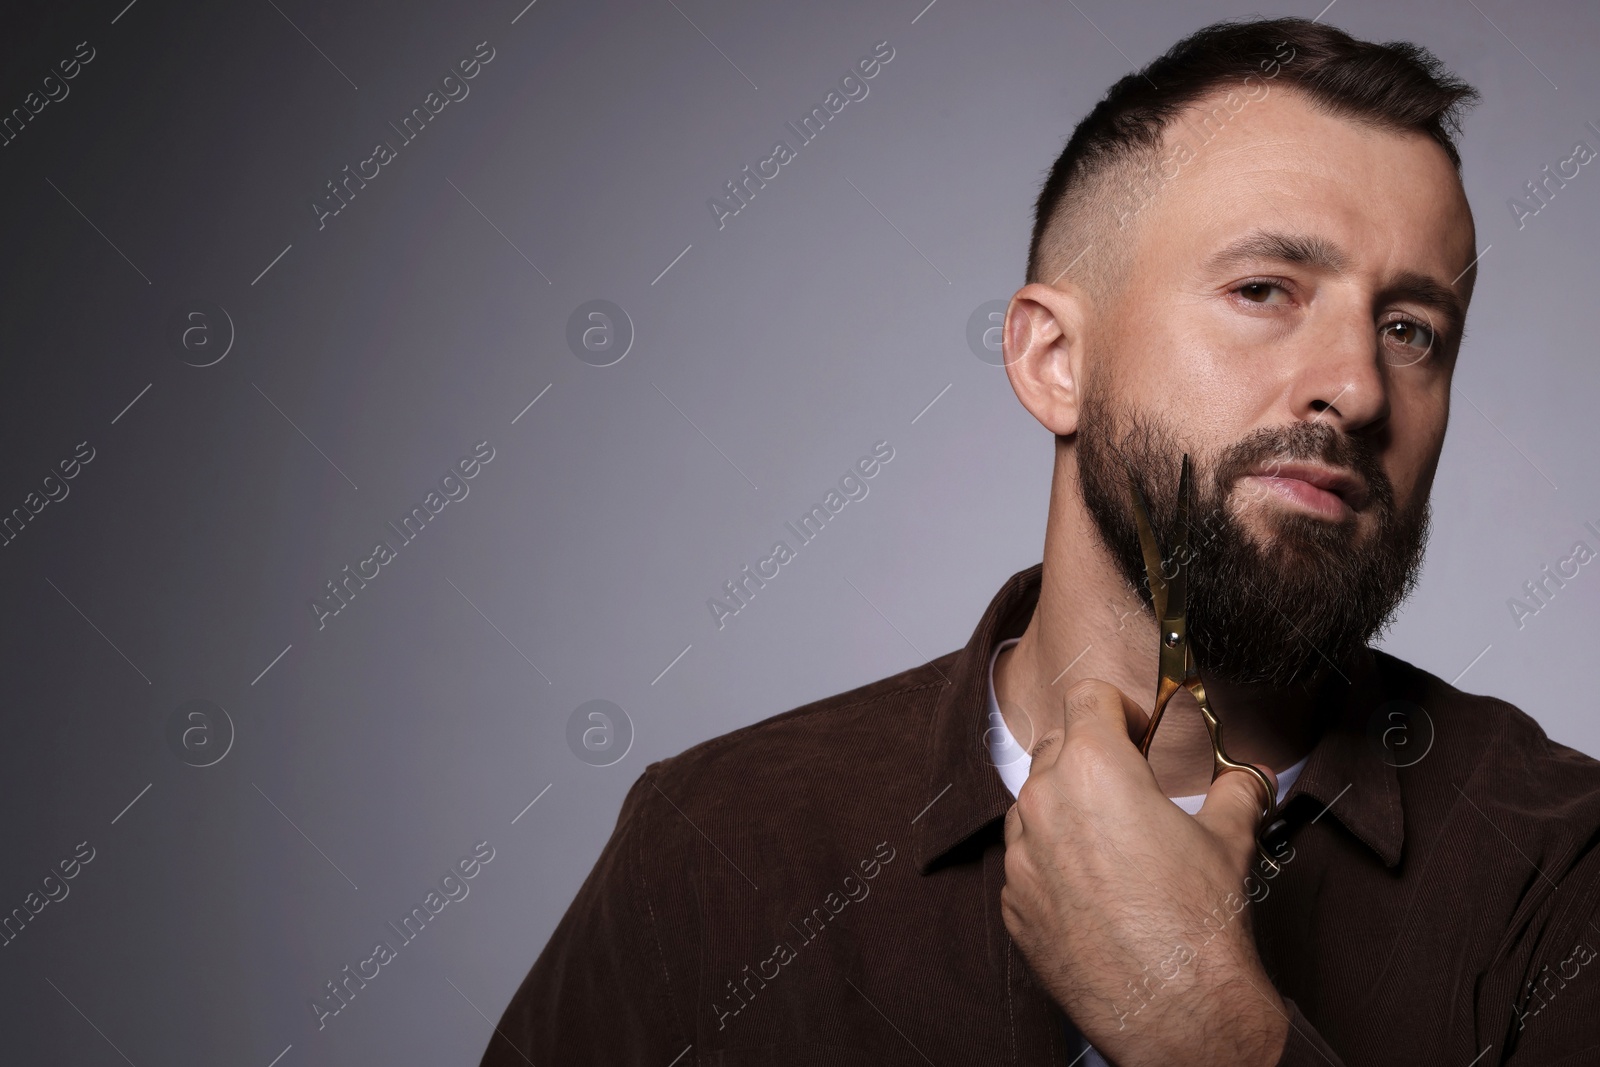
[
  {"x": 1044, "y": 753},
  {"x": 1233, "y": 805},
  {"x": 1136, "y": 718},
  {"x": 1097, "y": 702},
  {"x": 1100, "y": 727},
  {"x": 1013, "y": 826}
]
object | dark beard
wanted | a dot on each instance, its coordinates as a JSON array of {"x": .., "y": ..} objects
[{"x": 1284, "y": 614}]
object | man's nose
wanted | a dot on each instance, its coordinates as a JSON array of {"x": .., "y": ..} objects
[{"x": 1341, "y": 377}]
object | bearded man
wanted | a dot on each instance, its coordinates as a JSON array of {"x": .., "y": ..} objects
[{"x": 1255, "y": 252}]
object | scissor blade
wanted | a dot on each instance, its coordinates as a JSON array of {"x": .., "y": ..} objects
[
  {"x": 1178, "y": 584},
  {"x": 1151, "y": 550}
]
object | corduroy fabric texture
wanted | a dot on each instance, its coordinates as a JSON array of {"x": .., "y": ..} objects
[{"x": 823, "y": 888}]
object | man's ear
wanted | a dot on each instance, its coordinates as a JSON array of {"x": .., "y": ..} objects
[{"x": 1043, "y": 348}]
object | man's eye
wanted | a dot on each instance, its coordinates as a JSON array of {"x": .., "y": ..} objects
[
  {"x": 1262, "y": 293},
  {"x": 1408, "y": 340}
]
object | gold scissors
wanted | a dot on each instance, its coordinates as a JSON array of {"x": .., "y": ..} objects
[{"x": 1170, "y": 600}]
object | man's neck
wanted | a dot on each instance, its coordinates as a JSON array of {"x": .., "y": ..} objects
[{"x": 1089, "y": 624}]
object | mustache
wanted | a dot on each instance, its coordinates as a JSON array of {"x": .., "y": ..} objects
[{"x": 1314, "y": 441}]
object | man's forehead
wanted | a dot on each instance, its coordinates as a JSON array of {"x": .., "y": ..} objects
[{"x": 1372, "y": 197}]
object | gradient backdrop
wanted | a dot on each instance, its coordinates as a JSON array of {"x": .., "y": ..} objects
[{"x": 263, "y": 385}]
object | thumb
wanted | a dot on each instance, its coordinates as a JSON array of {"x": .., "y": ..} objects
[{"x": 1233, "y": 804}]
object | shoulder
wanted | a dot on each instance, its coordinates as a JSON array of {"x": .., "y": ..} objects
[
  {"x": 1486, "y": 753},
  {"x": 801, "y": 789},
  {"x": 1507, "y": 825},
  {"x": 1493, "y": 727},
  {"x": 852, "y": 743}
]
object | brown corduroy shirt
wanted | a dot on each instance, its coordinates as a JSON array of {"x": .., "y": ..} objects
[{"x": 823, "y": 887}]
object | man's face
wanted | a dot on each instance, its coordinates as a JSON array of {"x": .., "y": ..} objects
[{"x": 1291, "y": 317}]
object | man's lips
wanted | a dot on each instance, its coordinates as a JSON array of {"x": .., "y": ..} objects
[{"x": 1330, "y": 492}]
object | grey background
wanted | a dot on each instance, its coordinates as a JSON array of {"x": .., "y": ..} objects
[{"x": 826, "y": 316}]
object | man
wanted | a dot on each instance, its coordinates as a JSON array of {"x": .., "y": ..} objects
[{"x": 1256, "y": 251}]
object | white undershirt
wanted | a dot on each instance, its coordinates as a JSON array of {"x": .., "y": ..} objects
[{"x": 1013, "y": 762}]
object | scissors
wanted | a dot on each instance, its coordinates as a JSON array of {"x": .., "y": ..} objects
[{"x": 1177, "y": 665}]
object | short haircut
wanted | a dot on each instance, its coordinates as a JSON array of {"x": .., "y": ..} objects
[{"x": 1108, "y": 168}]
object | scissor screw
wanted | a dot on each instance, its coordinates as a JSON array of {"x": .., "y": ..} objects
[{"x": 1172, "y": 639}]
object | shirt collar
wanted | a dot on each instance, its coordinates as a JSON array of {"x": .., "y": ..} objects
[
  {"x": 963, "y": 790},
  {"x": 1349, "y": 775},
  {"x": 1345, "y": 775}
]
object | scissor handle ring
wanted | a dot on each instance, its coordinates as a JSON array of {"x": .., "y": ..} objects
[
  {"x": 1219, "y": 756},
  {"x": 1223, "y": 765}
]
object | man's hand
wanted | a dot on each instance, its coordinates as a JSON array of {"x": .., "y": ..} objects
[{"x": 1132, "y": 914}]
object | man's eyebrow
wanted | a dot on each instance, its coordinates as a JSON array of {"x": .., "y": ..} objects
[
  {"x": 1324, "y": 255},
  {"x": 1286, "y": 247},
  {"x": 1421, "y": 289}
]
